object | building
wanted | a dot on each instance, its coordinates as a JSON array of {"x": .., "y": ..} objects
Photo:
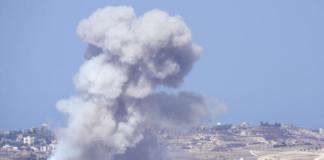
[
  {"x": 247, "y": 133},
  {"x": 44, "y": 128},
  {"x": 234, "y": 127},
  {"x": 52, "y": 147},
  {"x": 32, "y": 129},
  {"x": 19, "y": 138},
  {"x": 321, "y": 131},
  {"x": 42, "y": 140},
  {"x": 299, "y": 141},
  {"x": 54, "y": 141},
  {"x": 34, "y": 148},
  {"x": 29, "y": 140},
  {"x": 245, "y": 125},
  {"x": 218, "y": 124},
  {"x": 7, "y": 146},
  {"x": 214, "y": 138},
  {"x": 44, "y": 148}
]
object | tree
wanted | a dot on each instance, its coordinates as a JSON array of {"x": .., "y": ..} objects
[
  {"x": 277, "y": 125},
  {"x": 12, "y": 136},
  {"x": 33, "y": 156},
  {"x": 266, "y": 124},
  {"x": 48, "y": 141},
  {"x": 37, "y": 141},
  {"x": 261, "y": 124}
]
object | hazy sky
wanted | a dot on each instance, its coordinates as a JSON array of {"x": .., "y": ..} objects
[{"x": 264, "y": 59}]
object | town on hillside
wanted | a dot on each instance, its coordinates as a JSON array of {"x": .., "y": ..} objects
[
  {"x": 220, "y": 141},
  {"x": 34, "y": 143}
]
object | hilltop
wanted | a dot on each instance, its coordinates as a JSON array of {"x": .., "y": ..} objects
[{"x": 242, "y": 141}]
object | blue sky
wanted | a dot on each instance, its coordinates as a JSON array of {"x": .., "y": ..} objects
[{"x": 264, "y": 59}]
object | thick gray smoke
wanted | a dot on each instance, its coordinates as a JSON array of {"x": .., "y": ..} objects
[{"x": 127, "y": 58}]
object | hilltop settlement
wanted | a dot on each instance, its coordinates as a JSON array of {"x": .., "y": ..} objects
[{"x": 221, "y": 141}]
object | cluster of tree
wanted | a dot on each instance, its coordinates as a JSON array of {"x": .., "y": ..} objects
[
  {"x": 317, "y": 148},
  {"x": 280, "y": 145},
  {"x": 222, "y": 127},
  {"x": 266, "y": 124},
  {"x": 34, "y": 157},
  {"x": 11, "y": 135}
]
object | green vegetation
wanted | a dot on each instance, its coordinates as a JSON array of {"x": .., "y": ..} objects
[
  {"x": 39, "y": 134},
  {"x": 280, "y": 145},
  {"x": 266, "y": 124},
  {"x": 222, "y": 127},
  {"x": 11, "y": 135}
]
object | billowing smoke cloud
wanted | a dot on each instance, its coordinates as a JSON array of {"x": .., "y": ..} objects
[
  {"x": 219, "y": 108},
  {"x": 127, "y": 58}
]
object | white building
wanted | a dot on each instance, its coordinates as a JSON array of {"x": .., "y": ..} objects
[
  {"x": 29, "y": 140},
  {"x": 245, "y": 133},
  {"x": 44, "y": 148},
  {"x": 234, "y": 127},
  {"x": 321, "y": 131},
  {"x": 245, "y": 125},
  {"x": 44, "y": 128},
  {"x": 218, "y": 124},
  {"x": 52, "y": 147},
  {"x": 34, "y": 148},
  {"x": 7, "y": 146}
]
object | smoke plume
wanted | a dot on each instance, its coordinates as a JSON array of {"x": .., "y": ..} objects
[{"x": 127, "y": 58}]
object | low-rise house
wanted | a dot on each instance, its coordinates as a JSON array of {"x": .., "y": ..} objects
[
  {"x": 29, "y": 140},
  {"x": 245, "y": 125},
  {"x": 214, "y": 138},
  {"x": 290, "y": 141},
  {"x": 44, "y": 148},
  {"x": 32, "y": 129},
  {"x": 299, "y": 141},
  {"x": 20, "y": 135},
  {"x": 234, "y": 127},
  {"x": 7, "y": 146},
  {"x": 247, "y": 133},
  {"x": 54, "y": 141},
  {"x": 52, "y": 147},
  {"x": 42, "y": 140},
  {"x": 34, "y": 148},
  {"x": 44, "y": 128},
  {"x": 321, "y": 131}
]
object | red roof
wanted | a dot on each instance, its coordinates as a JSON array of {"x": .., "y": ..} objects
[{"x": 299, "y": 141}]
